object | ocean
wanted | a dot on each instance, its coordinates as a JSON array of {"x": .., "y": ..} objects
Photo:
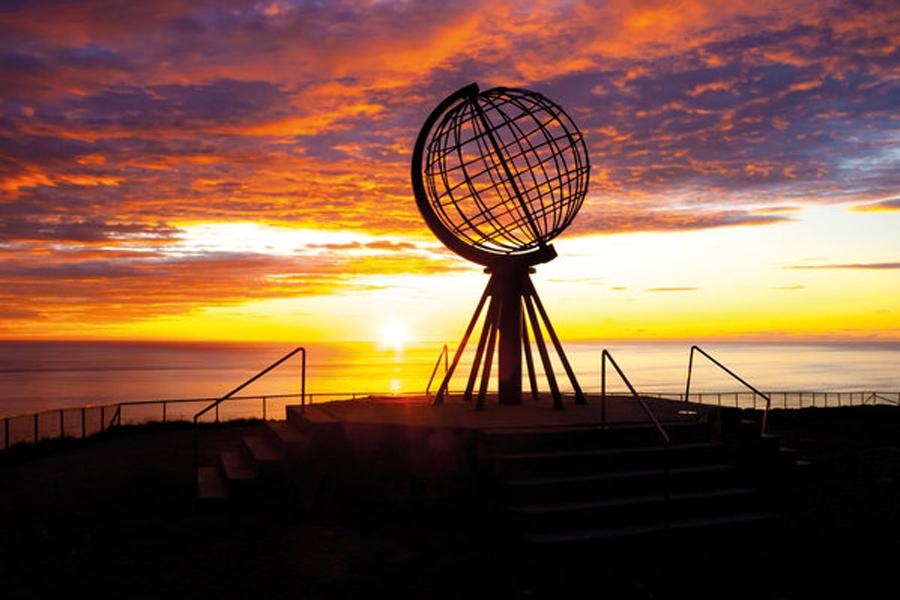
[{"x": 50, "y": 375}]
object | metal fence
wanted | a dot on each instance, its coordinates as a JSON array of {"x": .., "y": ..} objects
[
  {"x": 788, "y": 399},
  {"x": 85, "y": 421}
]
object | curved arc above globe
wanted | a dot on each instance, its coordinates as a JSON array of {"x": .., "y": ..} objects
[
  {"x": 418, "y": 183},
  {"x": 524, "y": 194}
]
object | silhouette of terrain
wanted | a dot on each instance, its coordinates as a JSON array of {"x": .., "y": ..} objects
[{"x": 116, "y": 515}]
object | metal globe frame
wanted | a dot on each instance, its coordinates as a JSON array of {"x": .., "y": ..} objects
[{"x": 524, "y": 195}]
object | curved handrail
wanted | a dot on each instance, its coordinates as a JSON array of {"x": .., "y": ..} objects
[
  {"x": 666, "y": 441},
  {"x": 445, "y": 354},
  {"x": 687, "y": 389},
  {"x": 216, "y": 403}
]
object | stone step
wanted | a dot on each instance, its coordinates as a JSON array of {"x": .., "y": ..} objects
[
  {"x": 574, "y": 488},
  {"x": 284, "y": 434},
  {"x": 621, "y": 511},
  {"x": 759, "y": 448},
  {"x": 790, "y": 459},
  {"x": 574, "y": 462},
  {"x": 594, "y": 437},
  {"x": 677, "y": 526},
  {"x": 236, "y": 467},
  {"x": 210, "y": 484},
  {"x": 309, "y": 415},
  {"x": 262, "y": 452}
]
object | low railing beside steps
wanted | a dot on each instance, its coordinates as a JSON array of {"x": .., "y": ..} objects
[
  {"x": 215, "y": 404},
  {"x": 663, "y": 435},
  {"x": 687, "y": 389}
]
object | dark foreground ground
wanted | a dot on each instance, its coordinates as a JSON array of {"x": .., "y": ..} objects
[{"x": 115, "y": 517}]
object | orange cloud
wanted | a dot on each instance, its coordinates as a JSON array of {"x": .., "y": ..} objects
[{"x": 121, "y": 121}]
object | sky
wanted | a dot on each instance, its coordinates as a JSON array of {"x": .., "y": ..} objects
[{"x": 231, "y": 170}]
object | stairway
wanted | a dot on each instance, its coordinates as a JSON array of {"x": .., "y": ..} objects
[
  {"x": 557, "y": 486},
  {"x": 260, "y": 458},
  {"x": 571, "y": 485}
]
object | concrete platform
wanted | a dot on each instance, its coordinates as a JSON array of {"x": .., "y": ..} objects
[
  {"x": 417, "y": 411},
  {"x": 402, "y": 443}
]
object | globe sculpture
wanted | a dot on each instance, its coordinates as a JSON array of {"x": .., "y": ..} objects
[{"x": 497, "y": 175}]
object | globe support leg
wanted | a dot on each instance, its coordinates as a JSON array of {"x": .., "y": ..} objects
[
  {"x": 492, "y": 341},
  {"x": 489, "y": 320},
  {"x": 545, "y": 356},
  {"x": 579, "y": 395},
  {"x": 442, "y": 391},
  {"x": 514, "y": 305},
  {"x": 529, "y": 360}
]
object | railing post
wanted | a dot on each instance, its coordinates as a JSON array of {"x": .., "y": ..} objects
[
  {"x": 62, "y": 424},
  {"x": 217, "y": 413},
  {"x": 102, "y": 418},
  {"x": 83, "y": 424},
  {"x": 687, "y": 386},
  {"x": 719, "y": 398},
  {"x": 603, "y": 389},
  {"x": 35, "y": 428},
  {"x": 6, "y": 433},
  {"x": 303, "y": 377},
  {"x": 264, "y": 407},
  {"x": 196, "y": 448},
  {"x": 165, "y": 406}
]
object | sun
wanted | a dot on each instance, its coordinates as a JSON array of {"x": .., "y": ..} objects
[{"x": 394, "y": 335}]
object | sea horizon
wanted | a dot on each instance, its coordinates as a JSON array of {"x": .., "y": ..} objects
[{"x": 41, "y": 374}]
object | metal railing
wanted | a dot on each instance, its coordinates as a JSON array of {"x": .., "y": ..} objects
[
  {"x": 687, "y": 389},
  {"x": 663, "y": 436},
  {"x": 215, "y": 404},
  {"x": 83, "y": 421},
  {"x": 787, "y": 399},
  {"x": 445, "y": 354},
  {"x": 874, "y": 398},
  {"x": 79, "y": 422}
]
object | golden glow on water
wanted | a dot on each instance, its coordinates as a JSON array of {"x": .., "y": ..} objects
[{"x": 51, "y": 374}]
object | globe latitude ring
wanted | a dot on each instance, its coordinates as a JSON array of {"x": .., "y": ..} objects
[{"x": 498, "y": 174}]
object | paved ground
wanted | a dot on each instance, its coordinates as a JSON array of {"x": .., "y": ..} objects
[{"x": 114, "y": 516}]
